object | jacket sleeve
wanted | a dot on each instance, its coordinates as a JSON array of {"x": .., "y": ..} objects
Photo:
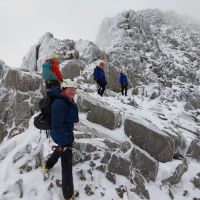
[
  {"x": 56, "y": 71},
  {"x": 58, "y": 110},
  {"x": 96, "y": 73}
]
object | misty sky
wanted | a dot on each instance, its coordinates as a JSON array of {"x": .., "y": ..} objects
[{"x": 23, "y": 22}]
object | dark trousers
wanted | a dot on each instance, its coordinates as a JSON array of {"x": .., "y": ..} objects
[
  {"x": 124, "y": 88},
  {"x": 66, "y": 163},
  {"x": 101, "y": 86}
]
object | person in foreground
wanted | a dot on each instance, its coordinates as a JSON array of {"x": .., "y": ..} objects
[{"x": 64, "y": 113}]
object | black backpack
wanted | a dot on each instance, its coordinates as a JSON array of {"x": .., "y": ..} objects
[{"x": 43, "y": 120}]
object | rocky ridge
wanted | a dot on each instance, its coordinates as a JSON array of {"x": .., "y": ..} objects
[{"x": 160, "y": 54}]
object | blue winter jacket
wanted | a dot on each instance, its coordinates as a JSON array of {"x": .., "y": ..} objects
[
  {"x": 123, "y": 79},
  {"x": 99, "y": 74},
  {"x": 63, "y": 116}
]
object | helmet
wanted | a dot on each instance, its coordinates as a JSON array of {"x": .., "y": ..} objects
[
  {"x": 101, "y": 63},
  {"x": 68, "y": 83},
  {"x": 54, "y": 56}
]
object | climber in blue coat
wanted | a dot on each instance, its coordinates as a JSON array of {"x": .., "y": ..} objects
[
  {"x": 99, "y": 77},
  {"x": 123, "y": 80}
]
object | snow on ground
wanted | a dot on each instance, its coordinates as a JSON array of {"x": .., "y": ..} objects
[{"x": 34, "y": 186}]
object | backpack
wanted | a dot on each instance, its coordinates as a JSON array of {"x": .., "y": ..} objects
[
  {"x": 94, "y": 77},
  {"x": 43, "y": 120},
  {"x": 47, "y": 73}
]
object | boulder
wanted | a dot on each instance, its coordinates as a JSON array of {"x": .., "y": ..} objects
[
  {"x": 22, "y": 81},
  {"x": 194, "y": 150},
  {"x": 143, "y": 162},
  {"x": 149, "y": 138},
  {"x": 106, "y": 117},
  {"x": 72, "y": 68},
  {"x": 177, "y": 175},
  {"x": 119, "y": 165}
]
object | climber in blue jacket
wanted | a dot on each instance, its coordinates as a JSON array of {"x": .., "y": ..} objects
[{"x": 123, "y": 80}]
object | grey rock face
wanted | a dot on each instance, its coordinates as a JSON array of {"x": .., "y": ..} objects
[
  {"x": 196, "y": 181},
  {"x": 135, "y": 91},
  {"x": 194, "y": 150},
  {"x": 107, "y": 118},
  {"x": 3, "y": 131},
  {"x": 111, "y": 177},
  {"x": 177, "y": 175},
  {"x": 72, "y": 68},
  {"x": 159, "y": 146},
  {"x": 20, "y": 94},
  {"x": 2, "y": 68},
  {"x": 113, "y": 73},
  {"x": 119, "y": 165},
  {"x": 106, "y": 157},
  {"x": 84, "y": 105},
  {"x": 30, "y": 60},
  {"x": 141, "y": 161},
  {"x": 140, "y": 189},
  {"x": 21, "y": 81},
  {"x": 89, "y": 51}
]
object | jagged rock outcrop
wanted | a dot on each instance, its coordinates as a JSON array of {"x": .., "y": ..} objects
[
  {"x": 140, "y": 189},
  {"x": 106, "y": 117},
  {"x": 20, "y": 94},
  {"x": 89, "y": 52},
  {"x": 159, "y": 145},
  {"x": 177, "y": 175},
  {"x": 72, "y": 68},
  {"x": 160, "y": 54},
  {"x": 194, "y": 150},
  {"x": 144, "y": 163}
]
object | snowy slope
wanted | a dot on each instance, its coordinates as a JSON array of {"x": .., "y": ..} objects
[
  {"x": 162, "y": 49},
  {"x": 31, "y": 143}
]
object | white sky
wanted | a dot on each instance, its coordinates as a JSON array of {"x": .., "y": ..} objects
[{"x": 23, "y": 22}]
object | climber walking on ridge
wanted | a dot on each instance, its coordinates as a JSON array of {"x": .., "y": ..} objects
[
  {"x": 51, "y": 72},
  {"x": 64, "y": 113},
  {"x": 123, "y": 80},
  {"x": 99, "y": 77}
]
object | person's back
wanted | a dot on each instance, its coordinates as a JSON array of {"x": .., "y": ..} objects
[
  {"x": 99, "y": 74},
  {"x": 100, "y": 78},
  {"x": 51, "y": 72},
  {"x": 123, "y": 80}
]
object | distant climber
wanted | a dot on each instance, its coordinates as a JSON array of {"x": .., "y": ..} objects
[
  {"x": 64, "y": 113},
  {"x": 99, "y": 77},
  {"x": 123, "y": 80},
  {"x": 51, "y": 72}
]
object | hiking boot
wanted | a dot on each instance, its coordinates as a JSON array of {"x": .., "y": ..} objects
[
  {"x": 75, "y": 195},
  {"x": 45, "y": 170}
]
